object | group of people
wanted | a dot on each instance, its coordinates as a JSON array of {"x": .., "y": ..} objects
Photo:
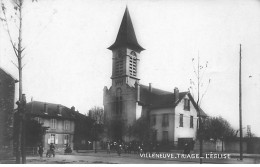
[
  {"x": 50, "y": 152},
  {"x": 135, "y": 147}
]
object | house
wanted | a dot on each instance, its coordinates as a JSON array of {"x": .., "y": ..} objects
[
  {"x": 173, "y": 115},
  {"x": 61, "y": 121},
  {"x": 7, "y": 101}
]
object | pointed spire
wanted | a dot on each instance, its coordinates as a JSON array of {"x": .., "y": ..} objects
[{"x": 126, "y": 34}]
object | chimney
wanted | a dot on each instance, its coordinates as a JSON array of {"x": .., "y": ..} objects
[
  {"x": 176, "y": 94},
  {"x": 72, "y": 108},
  {"x": 150, "y": 87},
  {"x": 45, "y": 108},
  {"x": 59, "y": 109},
  {"x": 137, "y": 88}
]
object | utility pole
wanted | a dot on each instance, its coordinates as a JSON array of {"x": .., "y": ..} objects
[{"x": 240, "y": 107}]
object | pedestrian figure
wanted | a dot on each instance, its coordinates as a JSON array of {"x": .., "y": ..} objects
[
  {"x": 108, "y": 148},
  {"x": 51, "y": 151},
  {"x": 119, "y": 149},
  {"x": 186, "y": 149},
  {"x": 40, "y": 150}
]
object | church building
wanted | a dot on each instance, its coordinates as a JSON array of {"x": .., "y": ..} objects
[{"x": 173, "y": 115}]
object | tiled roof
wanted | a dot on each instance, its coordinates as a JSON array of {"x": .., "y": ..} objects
[
  {"x": 158, "y": 98},
  {"x": 126, "y": 34},
  {"x": 5, "y": 73},
  {"x": 36, "y": 108},
  {"x": 202, "y": 113}
]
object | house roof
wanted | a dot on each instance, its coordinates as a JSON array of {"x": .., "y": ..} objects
[
  {"x": 126, "y": 34},
  {"x": 158, "y": 98},
  {"x": 36, "y": 108},
  {"x": 4, "y": 72}
]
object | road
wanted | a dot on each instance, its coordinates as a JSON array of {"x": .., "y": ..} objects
[{"x": 113, "y": 158}]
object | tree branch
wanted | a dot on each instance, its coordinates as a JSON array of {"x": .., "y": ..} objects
[
  {"x": 15, "y": 64},
  {"x": 205, "y": 91},
  {"x": 194, "y": 68},
  {"x": 9, "y": 34},
  {"x": 24, "y": 65}
]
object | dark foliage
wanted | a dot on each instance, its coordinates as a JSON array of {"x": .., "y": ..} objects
[
  {"x": 141, "y": 129},
  {"x": 83, "y": 128},
  {"x": 34, "y": 132},
  {"x": 217, "y": 128}
]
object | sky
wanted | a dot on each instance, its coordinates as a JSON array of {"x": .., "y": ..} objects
[{"x": 68, "y": 63}]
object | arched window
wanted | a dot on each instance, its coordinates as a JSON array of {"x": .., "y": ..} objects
[
  {"x": 118, "y": 92},
  {"x": 133, "y": 64},
  {"x": 119, "y": 101}
]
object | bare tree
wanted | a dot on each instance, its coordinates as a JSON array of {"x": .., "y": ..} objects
[
  {"x": 97, "y": 113},
  {"x": 199, "y": 87},
  {"x": 12, "y": 16},
  {"x": 18, "y": 50}
]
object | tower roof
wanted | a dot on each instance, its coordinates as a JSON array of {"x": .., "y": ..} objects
[{"x": 126, "y": 34}]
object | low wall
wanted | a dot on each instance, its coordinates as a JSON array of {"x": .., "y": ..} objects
[
  {"x": 216, "y": 146},
  {"x": 208, "y": 146},
  {"x": 253, "y": 146},
  {"x": 234, "y": 146}
]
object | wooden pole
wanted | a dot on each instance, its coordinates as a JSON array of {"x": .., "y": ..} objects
[{"x": 240, "y": 106}]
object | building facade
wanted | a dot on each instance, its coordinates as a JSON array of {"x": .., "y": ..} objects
[
  {"x": 7, "y": 100},
  {"x": 59, "y": 119},
  {"x": 173, "y": 115}
]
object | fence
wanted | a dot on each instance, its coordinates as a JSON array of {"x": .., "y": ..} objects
[{"x": 29, "y": 150}]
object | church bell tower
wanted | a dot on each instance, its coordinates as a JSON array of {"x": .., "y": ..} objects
[
  {"x": 120, "y": 100},
  {"x": 126, "y": 52}
]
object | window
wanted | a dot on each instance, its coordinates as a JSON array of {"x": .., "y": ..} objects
[
  {"x": 52, "y": 139},
  {"x": 153, "y": 120},
  {"x": 132, "y": 65},
  {"x": 165, "y": 136},
  {"x": 191, "y": 121},
  {"x": 187, "y": 104},
  {"x": 181, "y": 120},
  {"x": 83, "y": 141},
  {"x": 165, "y": 121},
  {"x": 53, "y": 123},
  {"x": 119, "y": 67},
  {"x": 66, "y": 139},
  {"x": 66, "y": 125},
  {"x": 119, "y": 101}
]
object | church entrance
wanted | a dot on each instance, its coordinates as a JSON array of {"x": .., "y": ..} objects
[{"x": 117, "y": 130}]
